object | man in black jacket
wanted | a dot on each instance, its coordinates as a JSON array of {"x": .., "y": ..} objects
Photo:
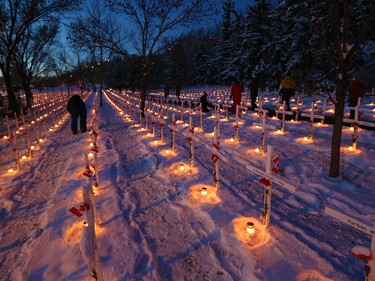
[{"x": 77, "y": 108}]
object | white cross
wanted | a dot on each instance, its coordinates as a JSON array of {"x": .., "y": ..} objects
[{"x": 268, "y": 178}]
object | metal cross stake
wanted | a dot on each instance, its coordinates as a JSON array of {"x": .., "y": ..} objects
[{"x": 269, "y": 177}]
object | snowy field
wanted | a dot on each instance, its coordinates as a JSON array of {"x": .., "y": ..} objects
[{"x": 155, "y": 223}]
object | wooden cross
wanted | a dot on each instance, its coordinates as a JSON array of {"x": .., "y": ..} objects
[
  {"x": 269, "y": 177},
  {"x": 264, "y": 126},
  {"x": 364, "y": 228},
  {"x": 355, "y": 122},
  {"x": 311, "y": 121},
  {"x": 283, "y": 112}
]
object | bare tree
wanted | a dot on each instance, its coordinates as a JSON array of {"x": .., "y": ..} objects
[
  {"x": 344, "y": 28},
  {"x": 88, "y": 33},
  {"x": 153, "y": 20},
  {"x": 16, "y": 17},
  {"x": 32, "y": 54}
]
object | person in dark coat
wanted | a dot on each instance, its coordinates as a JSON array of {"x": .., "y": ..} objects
[
  {"x": 356, "y": 91},
  {"x": 254, "y": 88},
  {"x": 167, "y": 90},
  {"x": 287, "y": 90},
  {"x": 77, "y": 109},
  {"x": 204, "y": 102}
]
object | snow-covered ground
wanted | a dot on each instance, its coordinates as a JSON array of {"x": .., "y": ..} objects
[{"x": 156, "y": 225}]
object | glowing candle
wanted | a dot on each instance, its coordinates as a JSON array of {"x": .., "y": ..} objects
[
  {"x": 204, "y": 191},
  {"x": 182, "y": 167},
  {"x": 250, "y": 227}
]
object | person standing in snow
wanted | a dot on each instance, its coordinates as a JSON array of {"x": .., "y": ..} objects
[
  {"x": 356, "y": 91},
  {"x": 167, "y": 90},
  {"x": 236, "y": 93},
  {"x": 204, "y": 102},
  {"x": 287, "y": 90},
  {"x": 254, "y": 88},
  {"x": 77, "y": 109}
]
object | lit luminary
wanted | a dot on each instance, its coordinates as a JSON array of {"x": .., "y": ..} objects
[
  {"x": 5, "y": 137},
  {"x": 155, "y": 141},
  {"x": 148, "y": 134},
  {"x": 352, "y": 129},
  {"x": 91, "y": 144},
  {"x": 32, "y": 147},
  {"x": 351, "y": 148},
  {"x": 40, "y": 140},
  {"x": 305, "y": 139},
  {"x": 250, "y": 227},
  {"x": 257, "y": 150},
  {"x": 10, "y": 170},
  {"x": 204, "y": 191},
  {"x": 90, "y": 154},
  {"x": 167, "y": 151},
  {"x": 24, "y": 157},
  {"x": 232, "y": 139},
  {"x": 182, "y": 167}
]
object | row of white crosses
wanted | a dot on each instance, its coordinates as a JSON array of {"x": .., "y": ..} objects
[
  {"x": 268, "y": 176},
  {"x": 88, "y": 243},
  {"x": 361, "y": 252},
  {"x": 55, "y": 110},
  {"x": 355, "y": 122}
]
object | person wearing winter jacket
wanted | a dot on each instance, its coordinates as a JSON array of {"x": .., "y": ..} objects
[
  {"x": 77, "y": 109},
  {"x": 287, "y": 90},
  {"x": 356, "y": 91}
]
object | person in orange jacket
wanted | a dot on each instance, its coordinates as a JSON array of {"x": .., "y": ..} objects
[{"x": 236, "y": 93}]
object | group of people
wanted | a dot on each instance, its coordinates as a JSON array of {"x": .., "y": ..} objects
[
  {"x": 287, "y": 90},
  {"x": 76, "y": 106}
]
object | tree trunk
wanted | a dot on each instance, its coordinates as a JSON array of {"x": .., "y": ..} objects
[
  {"x": 13, "y": 106},
  {"x": 29, "y": 95},
  {"x": 337, "y": 130}
]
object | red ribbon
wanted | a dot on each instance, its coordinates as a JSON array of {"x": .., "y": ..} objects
[
  {"x": 216, "y": 146},
  {"x": 95, "y": 149},
  {"x": 214, "y": 158},
  {"x": 265, "y": 182},
  {"x": 161, "y": 125},
  {"x": 189, "y": 139},
  {"x": 88, "y": 172},
  {"x": 354, "y": 124},
  {"x": 191, "y": 130}
]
